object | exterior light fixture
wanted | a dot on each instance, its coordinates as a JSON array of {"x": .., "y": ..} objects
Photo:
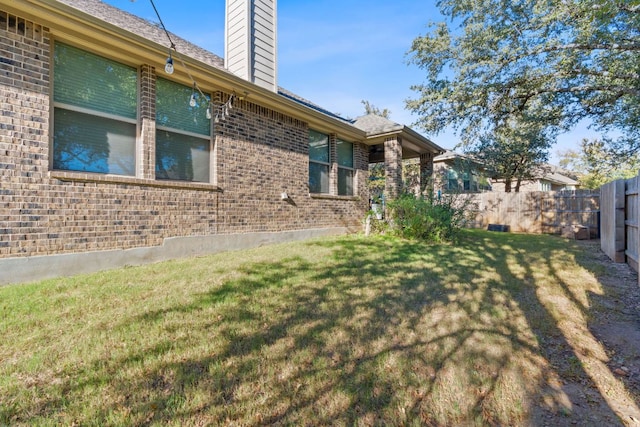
[
  {"x": 192, "y": 100},
  {"x": 168, "y": 66}
]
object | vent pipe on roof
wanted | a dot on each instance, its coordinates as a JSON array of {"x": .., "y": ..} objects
[{"x": 250, "y": 41}]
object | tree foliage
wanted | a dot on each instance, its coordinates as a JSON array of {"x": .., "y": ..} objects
[
  {"x": 551, "y": 62},
  {"x": 595, "y": 164},
  {"x": 514, "y": 152},
  {"x": 369, "y": 108}
]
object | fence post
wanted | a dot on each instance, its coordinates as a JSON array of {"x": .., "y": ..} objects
[
  {"x": 612, "y": 221},
  {"x": 637, "y": 229},
  {"x": 632, "y": 222}
]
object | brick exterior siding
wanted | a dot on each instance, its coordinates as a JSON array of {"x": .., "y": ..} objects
[{"x": 258, "y": 154}]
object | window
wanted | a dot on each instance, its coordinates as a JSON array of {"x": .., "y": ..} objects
[
  {"x": 95, "y": 113},
  {"x": 452, "y": 180},
  {"x": 183, "y": 133},
  {"x": 344, "y": 152},
  {"x": 484, "y": 184},
  {"x": 470, "y": 181},
  {"x": 318, "y": 162},
  {"x": 466, "y": 181}
]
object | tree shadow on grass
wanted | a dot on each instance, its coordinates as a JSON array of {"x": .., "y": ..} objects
[
  {"x": 377, "y": 332},
  {"x": 577, "y": 388}
]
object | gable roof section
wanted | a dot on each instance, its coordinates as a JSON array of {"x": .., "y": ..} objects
[
  {"x": 555, "y": 175},
  {"x": 450, "y": 156},
  {"x": 379, "y": 128},
  {"x": 376, "y": 125}
]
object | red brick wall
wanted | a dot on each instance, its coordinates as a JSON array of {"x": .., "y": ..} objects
[{"x": 259, "y": 153}]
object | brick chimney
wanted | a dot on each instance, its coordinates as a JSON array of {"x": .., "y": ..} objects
[{"x": 250, "y": 41}]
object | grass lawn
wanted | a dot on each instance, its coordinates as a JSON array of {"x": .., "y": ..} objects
[{"x": 341, "y": 331}]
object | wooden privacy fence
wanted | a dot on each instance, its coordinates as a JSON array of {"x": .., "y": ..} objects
[
  {"x": 619, "y": 232},
  {"x": 538, "y": 211}
]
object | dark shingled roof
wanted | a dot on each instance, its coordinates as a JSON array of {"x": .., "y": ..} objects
[
  {"x": 374, "y": 124},
  {"x": 310, "y": 104}
]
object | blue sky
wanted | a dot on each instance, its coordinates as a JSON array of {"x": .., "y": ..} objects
[{"x": 335, "y": 53}]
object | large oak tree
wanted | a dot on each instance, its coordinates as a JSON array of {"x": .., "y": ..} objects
[{"x": 553, "y": 63}]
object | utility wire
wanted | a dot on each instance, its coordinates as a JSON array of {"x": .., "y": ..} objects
[
  {"x": 173, "y": 46},
  {"x": 195, "y": 84}
]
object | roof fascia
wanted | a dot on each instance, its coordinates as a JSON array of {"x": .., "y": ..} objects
[{"x": 417, "y": 142}]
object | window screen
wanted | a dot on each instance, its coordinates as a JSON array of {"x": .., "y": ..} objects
[
  {"x": 181, "y": 157},
  {"x": 95, "y": 110},
  {"x": 318, "y": 162},
  {"x": 87, "y": 143},
  {"x": 183, "y": 133},
  {"x": 345, "y": 167},
  {"x": 173, "y": 109}
]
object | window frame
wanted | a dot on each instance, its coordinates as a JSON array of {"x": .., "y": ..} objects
[
  {"x": 187, "y": 133},
  {"x": 321, "y": 163},
  {"x": 351, "y": 169},
  {"x": 453, "y": 176}
]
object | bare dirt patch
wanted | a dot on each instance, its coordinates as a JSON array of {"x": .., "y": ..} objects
[{"x": 598, "y": 389}]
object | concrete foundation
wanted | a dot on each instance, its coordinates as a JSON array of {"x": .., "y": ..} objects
[{"x": 28, "y": 269}]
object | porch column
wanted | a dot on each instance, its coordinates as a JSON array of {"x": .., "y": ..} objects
[
  {"x": 392, "y": 167},
  {"x": 426, "y": 171}
]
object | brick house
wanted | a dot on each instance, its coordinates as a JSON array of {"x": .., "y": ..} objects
[
  {"x": 546, "y": 178},
  {"x": 107, "y": 160},
  {"x": 455, "y": 172}
]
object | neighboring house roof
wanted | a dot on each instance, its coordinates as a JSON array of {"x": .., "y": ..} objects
[
  {"x": 556, "y": 175},
  {"x": 452, "y": 155},
  {"x": 551, "y": 173}
]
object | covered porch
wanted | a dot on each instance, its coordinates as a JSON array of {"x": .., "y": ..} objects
[{"x": 391, "y": 143}]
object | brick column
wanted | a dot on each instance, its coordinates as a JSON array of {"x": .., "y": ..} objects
[
  {"x": 392, "y": 167},
  {"x": 146, "y": 158},
  {"x": 426, "y": 172}
]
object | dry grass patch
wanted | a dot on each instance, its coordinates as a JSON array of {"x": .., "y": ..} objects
[{"x": 340, "y": 331}]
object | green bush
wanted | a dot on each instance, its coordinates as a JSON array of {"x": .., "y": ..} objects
[{"x": 434, "y": 219}]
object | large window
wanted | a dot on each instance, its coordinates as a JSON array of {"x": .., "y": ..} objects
[
  {"x": 484, "y": 184},
  {"x": 344, "y": 152},
  {"x": 95, "y": 113},
  {"x": 183, "y": 133},
  {"x": 470, "y": 181},
  {"x": 466, "y": 181},
  {"x": 319, "y": 162},
  {"x": 452, "y": 180}
]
